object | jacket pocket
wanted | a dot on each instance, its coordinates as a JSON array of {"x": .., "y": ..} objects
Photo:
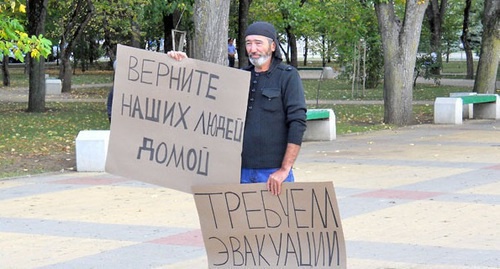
[{"x": 272, "y": 100}]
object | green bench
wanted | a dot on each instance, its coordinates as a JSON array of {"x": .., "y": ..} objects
[
  {"x": 310, "y": 68},
  {"x": 318, "y": 114},
  {"x": 452, "y": 110},
  {"x": 320, "y": 125},
  {"x": 478, "y": 99}
]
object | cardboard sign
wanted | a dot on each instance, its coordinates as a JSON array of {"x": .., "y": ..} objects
[
  {"x": 176, "y": 124},
  {"x": 245, "y": 226}
]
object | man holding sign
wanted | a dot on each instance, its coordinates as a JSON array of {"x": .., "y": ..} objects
[{"x": 276, "y": 111}]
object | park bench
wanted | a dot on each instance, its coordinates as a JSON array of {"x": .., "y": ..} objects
[
  {"x": 91, "y": 150},
  {"x": 320, "y": 125},
  {"x": 452, "y": 110},
  {"x": 326, "y": 72},
  {"x": 310, "y": 68}
]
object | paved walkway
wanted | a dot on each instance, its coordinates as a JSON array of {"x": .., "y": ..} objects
[{"x": 424, "y": 196}]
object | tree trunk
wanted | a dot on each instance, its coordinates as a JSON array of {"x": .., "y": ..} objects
[
  {"x": 65, "y": 72},
  {"x": 435, "y": 13},
  {"x": 465, "y": 41},
  {"x": 5, "y": 71},
  {"x": 211, "y": 24},
  {"x": 168, "y": 25},
  {"x": 292, "y": 42},
  {"x": 242, "y": 27},
  {"x": 400, "y": 42},
  {"x": 79, "y": 17},
  {"x": 135, "y": 34},
  {"x": 490, "y": 49},
  {"x": 170, "y": 22},
  {"x": 37, "y": 12}
]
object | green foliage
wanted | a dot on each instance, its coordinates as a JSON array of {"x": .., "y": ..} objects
[
  {"x": 332, "y": 28},
  {"x": 424, "y": 65},
  {"x": 14, "y": 39},
  {"x": 12, "y": 6},
  {"x": 127, "y": 22},
  {"x": 153, "y": 13}
]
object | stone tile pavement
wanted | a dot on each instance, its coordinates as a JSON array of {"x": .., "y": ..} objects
[{"x": 424, "y": 196}]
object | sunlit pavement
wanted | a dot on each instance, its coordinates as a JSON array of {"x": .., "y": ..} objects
[{"x": 424, "y": 196}]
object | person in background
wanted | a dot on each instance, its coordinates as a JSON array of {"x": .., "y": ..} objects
[
  {"x": 109, "y": 101},
  {"x": 276, "y": 111},
  {"x": 231, "y": 52}
]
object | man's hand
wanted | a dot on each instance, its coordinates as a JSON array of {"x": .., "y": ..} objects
[
  {"x": 275, "y": 180},
  {"x": 177, "y": 55}
]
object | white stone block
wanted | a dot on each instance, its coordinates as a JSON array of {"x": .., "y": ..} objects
[
  {"x": 53, "y": 86},
  {"x": 328, "y": 73},
  {"x": 91, "y": 150},
  {"x": 321, "y": 129},
  {"x": 448, "y": 110},
  {"x": 467, "y": 109}
]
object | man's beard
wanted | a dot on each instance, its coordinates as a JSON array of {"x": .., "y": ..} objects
[{"x": 260, "y": 61}]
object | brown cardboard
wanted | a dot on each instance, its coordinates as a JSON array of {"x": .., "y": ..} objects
[
  {"x": 176, "y": 124},
  {"x": 245, "y": 226}
]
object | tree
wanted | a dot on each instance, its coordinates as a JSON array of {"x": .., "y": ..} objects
[
  {"x": 14, "y": 41},
  {"x": 465, "y": 41},
  {"x": 119, "y": 23},
  {"x": 399, "y": 41},
  {"x": 12, "y": 27},
  {"x": 452, "y": 25},
  {"x": 211, "y": 21},
  {"x": 293, "y": 14},
  {"x": 243, "y": 11},
  {"x": 37, "y": 11},
  {"x": 490, "y": 47},
  {"x": 347, "y": 28},
  {"x": 165, "y": 13},
  {"x": 435, "y": 14},
  {"x": 79, "y": 14}
]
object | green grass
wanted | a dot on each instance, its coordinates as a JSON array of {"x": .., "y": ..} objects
[
  {"x": 19, "y": 79},
  {"x": 342, "y": 90},
  {"x": 30, "y": 137},
  {"x": 456, "y": 67},
  {"x": 366, "y": 118}
]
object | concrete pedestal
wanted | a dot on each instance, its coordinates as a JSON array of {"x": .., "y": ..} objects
[
  {"x": 448, "y": 110},
  {"x": 91, "y": 150},
  {"x": 321, "y": 129},
  {"x": 53, "y": 86}
]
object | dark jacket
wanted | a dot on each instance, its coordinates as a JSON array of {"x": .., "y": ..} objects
[
  {"x": 109, "y": 104},
  {"x": 276, "y": 115}
]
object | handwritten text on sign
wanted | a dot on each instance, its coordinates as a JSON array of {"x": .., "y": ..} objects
[
  {"x": 245, "y": 226},
  {"x": 176, "y": 124}
]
